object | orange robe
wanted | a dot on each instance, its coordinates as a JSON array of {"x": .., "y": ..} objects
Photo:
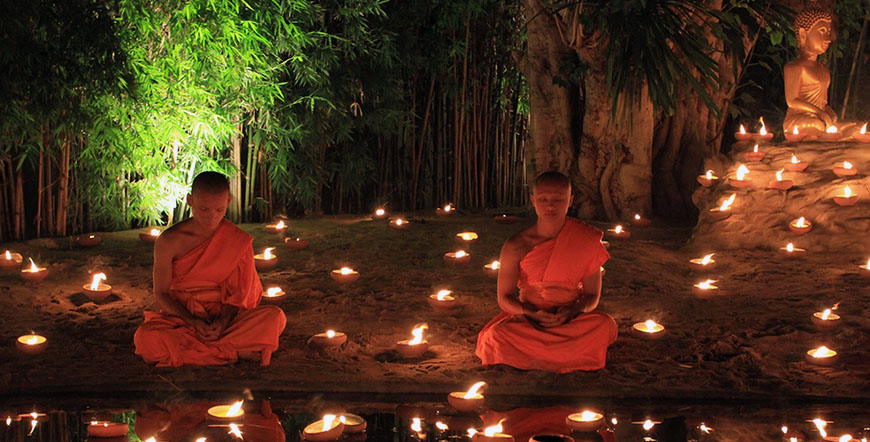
[
  {"x": 219, "y": 271},
  {"x": 551, "y": 275}
]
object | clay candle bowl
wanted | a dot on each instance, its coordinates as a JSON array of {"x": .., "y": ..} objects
[
  {"x": 705, "y": 289},
  {"x": 88, "y": 241},
  {"x": 754, "y": 155},
  {"x": 800, "y": 226},
  {"x": 467, "y": 237},
  {"x": 794, "y": 136},
  {"x": 399, "y": 223},
  {"x": 862, "y": 136},
  {"x": 295, "y": 243},
  {"x": 414, "y": 348},
  {"x": 274, "y": 295},
  {"x": 617, "y": 233},
  {"x": 442, "y": 301},
  {"x": 353, "y": 424},
  {"x": 864, "y": 270},
  {"x": 107, "y": 429},
  {"x": 586, "y": 421},
  {"x": 640, "y": 221},
  {"x": 822, "y": 356},
  {"x": 344, "y": 275},
  {"x": 149, "y": 236},
  {"x": 328, "y": 428},
  {"x": 723, "y": 211},
  {"x": 830, "y": 134},
  {"x": 467, "y": 401},
  {"x": 506, "y": 219},
  {"x": 276, "y": 229},
  {"x": 795, "y": 165},
  {"x": 741, "y": 134},
  {"x": 704, "y": 264},
  {"x": 34, "y": 273},
  {"x": 846, "y": 170},
  {"x": 457, "y": 257},
  {"x": 448, "y": 210},
  {"x": 265, "y": 260},
  {"x": 763, "y": 135},
  {"x": 708, "y": 179},
  {"x": 826, "y": 320},
  {"x": 380, "y": 214},
  {"x": 790, "y": 251},
  {"x": 779, "y": 183},
  {"x": 96, "y": 290},
  {"x": 31, "y": 344},
  {"x": 741, "y": 181},
  {"x": 329, "y": 339},
  {"x": 10, "y": 260},
  {"x": 226, "y": 412},
  {"x": 492, "y": 434},
  {"x": 846, "y": 199},
  {"x": 648, "y": 329},
  {"x": 491, "y": 269}
]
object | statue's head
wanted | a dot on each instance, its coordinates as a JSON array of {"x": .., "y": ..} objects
[{"x": 813, "y": 29}]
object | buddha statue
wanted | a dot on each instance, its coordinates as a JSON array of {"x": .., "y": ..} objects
[{"x": 807, "y": 80}]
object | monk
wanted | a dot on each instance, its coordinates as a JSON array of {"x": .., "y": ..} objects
[
  {"x": 549, "y": 323},
  {"x": 207, "y": 289}
]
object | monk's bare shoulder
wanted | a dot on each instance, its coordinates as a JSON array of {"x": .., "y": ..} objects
[
  {"x": 173, "y": 240},
  {"x": 521, "y": 242}
]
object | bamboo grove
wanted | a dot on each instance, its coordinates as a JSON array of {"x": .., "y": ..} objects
[{"x": 110, "y": 107}]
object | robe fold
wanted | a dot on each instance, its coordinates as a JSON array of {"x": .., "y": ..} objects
[
  {"x": 551, "y": 275},
  {"x": 219, "y": 271}
]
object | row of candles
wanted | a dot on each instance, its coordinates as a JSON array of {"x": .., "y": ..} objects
[{"x": 831, "y": 133}]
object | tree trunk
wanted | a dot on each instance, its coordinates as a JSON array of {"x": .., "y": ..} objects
[{"x": 234, "y": 212}]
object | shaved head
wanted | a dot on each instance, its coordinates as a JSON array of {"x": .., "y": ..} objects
[
  {"x": 551, "y": 179},
  {"x": 210, "y": 182}
]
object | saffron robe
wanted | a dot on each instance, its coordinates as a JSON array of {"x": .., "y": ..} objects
[
  {"x": 551, "y": 275},
  {"x": 219, "y": 271}
]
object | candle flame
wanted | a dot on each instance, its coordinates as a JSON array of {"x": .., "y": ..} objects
[
  {"x": 234, "y": 409},
  {"x": 801, "y": 222},
  {"x": 822, "y": 352},
  {"x": 8, "y": 420},
  {"x": 763, "y": 130},
  {"x": 201, "y": 439},
  {"x": 267, "y": 254},
  {"x": 460, "y": 254},
  {"x": 795, "y": 131},
  {"x": 706, "y": 259},
  {"x": 442, "y": 295},
  {"x": 755, "y": 149},
  {"x": 151, "y": 439},
  {"x": 821, "y": 424},
  {"x": 33, "y": 340},
  {"x": 637, "y": 216},
  {"x": 789, "y": 247},
  {"x": 330, "y": 334},
  {"x": 448, "y": 208},
  {"x": 33, "y": 425},
  {"x": 346, "y": 270},
  {"x": 416, "y": 425},
  {"x": 380, "y": 212},
  {"x": 705, "y": 428},
  {"x": 614, "y": 421},
  {"x": 495, "y": 265},
  {"x": 794, "y": 159},
  {"x": 468, "y": 236},
  {"x": 826, "y": 314},
  {"x": 864, "y": 129},
  {"x": 779, "y": 174},
  {"x": 868, "y": 264},
  {"x": 33, "y": 267},
  {"x": 273, "y": 291},
  {"x": 847, "y": 165},
  {"x": 280, "y": 225},
  {"x": 471, "y": 432},
  {"x": 617, "y": 229},
  {"x": 441, "y": 426},
  {"x": 8, "y": 256},
  {"x": 847, "y": 192},
  {"x": 155, "y": 232},
  {"x": 588, "y": 416},
  {"x": 648, "y": 424},
  {"x": 710, "y": 174},
  {"x": 742, "y": 129},
  {"x": 831, "y": 129},
  {"x": 726, "y": 205},
  {"x": 784, "y": 428},
  {"x": 234, "y": 430},
  {"x": 328, "y": 419},
  {"x": 417, "y": 333},
  {"x": 742, "y": 171},
  {"x": 845, "y": 438},
  {"x": 490, "y": 431},
  {"x": 474, "y": 390},
  {"x": 95, "y": 285},
  {"x": 650, "y": 325},
  {"x": 399, "y": 222},
  {"x": 706, "y": 285}
]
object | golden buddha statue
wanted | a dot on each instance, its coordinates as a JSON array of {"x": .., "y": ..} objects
[{"x": 807, "y": 80}]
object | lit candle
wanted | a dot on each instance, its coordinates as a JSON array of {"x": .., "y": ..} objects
[
  {"x": 724, "y": 210},
  {"x": 800, "y": 226},
  {"x": 31, "y": 344},
  {"x": 705, "y": 263},
  {"x": 399, "y": 223},
  {"x": 795, "y": 165},
  {"x": 862, "y": 136},
  {"x": 96, "y": 290},
  {"x": 107, "y": 429},
  {"x": 443, "y": 300},
  {"x": 741, "y": 180},
  {"x": 416, "y": 347},
  {"x": 648, "y": 329},
  {"x": 88, "y": 240},
  {"x": 295, "y": 243},
  {"x": 705, "y": 288},
  {"x": 329, "y": 339},
  {"x": 845, "y": 170},
  {"x": 822, "y": 356},
  {"x": 353, "y": 424},
  {"x": 227, "y": 412},
  {"x": 847, "y": 198},
  {"x": 708, "y": 179},
  {"x": 763, "y": 135},
  {"x": 492, "y": 434},
  {"x": 790, "y": 251},
  {"x": 831, "y": 134},
  {"x": 779, "y": 183},
  {"x": 640, "y": 221},
  {"x": 467, "y": 401},
  {"x": 149, "y": 236},
  {"x": 447, "y": 210},
  {"x": 794, "y": 136},
  {"x": 344, "y": 275},
  {"x": 585, "y": 421},
  {"x": 753, "y": 156},
  {"x": 865, "y": 269},
  {"x": 265, "y": 260},
  {"x": 618, "y": 232},
  {"x": 273, "y": 294},
  {"x": 327, "y": 428},
  {"x": 741, "y": 134},
  {"x": 467, "y": 237},
  {"x": 492, "y": 269},
  {"x": 276, "y": 228},
  {"x": 34, "y": 273},
  {"x": 380, "y": 213},
  {"x": 826, "y": 320},
  {"x": 457, "y": 257},
  {"x": 10, "y": 260}
]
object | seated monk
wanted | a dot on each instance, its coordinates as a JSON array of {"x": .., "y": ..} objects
[
  {"x": 207, "y": 289},
  {"x": 556, "y": 265}
]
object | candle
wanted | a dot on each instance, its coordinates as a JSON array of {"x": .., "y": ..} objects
[
  {"x": 648, "y": 329},
  {"x": 276, "y": 228},
  {"x": 705, "y": 288},
  {"x": 295, "y": 243},
  {"x": 506, "y": 219},
  {"x": 399, "y": 223},
  {"x": 344, "y": 275},
  {"x": 265, "y": 260},
  {"x": 723, "y": 211},
  {"x": 107, "y": 429},
  {"x": 31, "y": 344},
  {"x": 492, "y": 434},
  {"x": 640, "y": 221},
  {"x": 96, "y": 290},
  {"x": 800, "y": 226},
  {"x": 443, "y": 300},
  {"x": 380, "y": 214},
  {"x": 753, "y": 156},
  {"x": 794, "y": 136},
  {"x": 779, "y": 183},
  {"x": 226, "y": 412},
  {"x": 585, "y": 421},
  {"x": 447, "y": 210},
  {"x": 327, "y": 428},
  {"x": 708, "y": 179},
  {"x": 795, "y": 165},
  {"x": 865, "y": 269},
  {"x": 847, "y": 198},
  {"x": 845, "y": 170},
  {"x": 862, "y": 136},
  {"x": 467, "y": 401},
  {"x": 467, "y": 237},
  {"x": 329, "y": 339},
  {"x": 492, "y": 269},
  {"x": 763, "y": 135},
  {"x": 88, "y": 240},
  {"x": 416, "y": 347},
  {"x": 34, "y": 273},
  {"x": 273, "y": 294},
  {"x": 457, "y": 257},
  {"x": 10, "y": 260},
  {"x": 149, "y": 236},
  {"x": 826, "y": 320},
  {"x": 741, "y": 181},
  {"x": 830, "y": 134},
  {"x": 741, "y": 134},
  {"x": 702, "y": 264},
  {"x": 353, "y": 424},
  {"x": 618, "y": 232},
  {"x": 821, "y": 356},
  {"x": 790, "y": 251}
]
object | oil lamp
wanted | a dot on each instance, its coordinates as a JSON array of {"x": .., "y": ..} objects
[
  {"x": 821, "y": 356},
  {"x": 741, "y": 134},
  {"x": 800, "y": 226},
  {"x": 457, "y": 257},
  {"x": 648, "y": 329},
  {"x": 790, "y": 251},
  {"x": 380, "y": 214},
  {"x": 327, "y": 428},
  {"x": 416, "y": 347},
  {"x": 585, "y": 421},
  {"x": 34, "y": 273},
  {"x": 329, "y": 339},
  {"x": 703, "y": 264},
  {"x": 826, "y": 320},
  {"x": 265, "y": 260},
  {"x": 467, "y": 401},
  {"x": 276, "y": 228},
  {"x": 107, "y": 429},
  {"x": 763, "y": 135},
  {"x": 830, "y": 134},
  {"x": 353, "y": 424},
  {"x": 492, "y": 434},
  {"x": 226, "y": 412},
  {"x": 618, "y": 233},
  {"x": 447, "y": 210},
  {"x": 779, "y": 183},
  {"x": 741, "y": 181},
  {"x": 794, "y": 136},
  {"x": 845, "y": 170},
  {"x": 10, "y": 260},
  {"x": 31, "y": 344},
  {"x": 865, "y": 269},
  {"x": 344, "y": 275},
  {"x": 399, "y": 223},
  {"x": 723, "y": 211},
  {"x": 442, "y": 301},
  {"x": 88, "y": 240},
  {"x": 640, "y": 221},
  {"x": 96, "y": 290},
  {"x": 274, "y": 295},
  {"x": 492, "y": 269},
  {"x": 708, "y": 179},
  {"x": 795, "y": 165},
  {"x": 862, "y": 136},
  {"x": 847, "y": 198},
  {"x": 149, "y": 236},
  {"x": 467, "y": 237},
  {"x": 754, "y": 155},
  {"x": 295, "y": 243},
  {"x": 705, "y": 289}
]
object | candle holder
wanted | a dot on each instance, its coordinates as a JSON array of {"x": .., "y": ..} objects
[
  {"x": 496, "y": 437},
  {"x": 100, "y": 293},
  {"x": 822, "y": 356},
  {"x": 411, "y": 351},
  {"x": 457, "y": 257},
  {"x": 648, "y": 330},
  {"x": 150, "y": 236},
  {"x": 846, "y": 200},
  {"x": 273, "y": 295},
  {"x": 380, "y": 214},
  {"x": 295, "y": 243},
  {"x": 699, "y": 265},
  {"x": 794, "y": 252},
  {"x": 506, "y": 219},
  {"x": 31, "y": 344},
  {"x": 706, "y": 181},
  {"x": 640, "y": 221},
  {"x": 344, "y": 275},
  {"x": 34, "y": 275},
  {"x": 353, "y": 424},
  {"x": 88, "y": 241},
  {"x": 792, "y": 137},
  {"x": 780, "y": 184},
  {"x": 740, "y": 184},
  {"x": 323, "y": 430},
  {"x": 448, "y": 210},
  {"x": 705, "y": 289},
  {"x": 107, "y": 429},
  {"x": 864, "y": 270},
  {"x": 261, "y": 262},
  {"x": 399, "y": 223},
  {"x": 795, "y": 226},
  {"x": 226, "y": 412},
  {"x": 329, "y": 340},
  {"x": 753, "y": 156},
  {"x": 446, "y": 301},
  {"x": 467, "y": 237},
  {"x": 617, "y": 233},
  {"x": 799, "y": 166},
  {"x": 585, "y": 422},
  {"x": 862, "y": 136},
  {"x": 10, "y": 261},
  {"x": 492, "y": 269},
  {"x": 742, "y": 135},
  {"x": 831, "y": 321},
  {"x": 719, "y": 214},
  {"x": 843, "y": 172},
  {"x": 462, "y": 404},
  {"x": 276, "y": 229}
]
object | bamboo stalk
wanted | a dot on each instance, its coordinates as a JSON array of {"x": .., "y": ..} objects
[{"x": 39, "y": 196}]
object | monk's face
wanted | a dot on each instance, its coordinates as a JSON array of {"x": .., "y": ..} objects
[
  {"x": 551, "y": 200},
  {"x": 208, "y": 208}
]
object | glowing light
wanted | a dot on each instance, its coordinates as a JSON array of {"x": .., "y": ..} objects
[
  {"x": 491, "y": 431},
  {"x": 273, "y": 292},
  {"x": 784, "y": 428},
  {"x": 417, "y": 333},
  {"x": 794, "y": 159},
  {"x": 705, "y": 428},
  {"x": 801, "y": 222},
  {"x": 417, "y": 425},
  {"x": 460, "y": 254},
  {"x": 328, "y": 419},
  {"x": 864, "y": 129},
  {"x": 474, "y": 390},
  {"x": 742, "y": 129},
  {"x": 33, "y": 425},
  {"x": 847, "y": 165},
  {"x": 755, "y": 149},
  {"x": 763, "y": 130},
  {"x": 789, "y": 247},
  {"x": 650, "y": 325},
  {"x": 845, "y": 438},
  {"x": 822, "y": 352},
  {"x": 155, "y": 232},
  {"x": 95, "y": 285},
  {"x": 151, "y": 439},
  {"x": 442, "y": 295},
  {"x": 441, "y": 426},
  {"x": 831, "y": 129},
  {"x": 8, "y": 256},
  {"x": 589, "y": 416},
  {"x": 33, "y": 340},
  {"x": 234, "y": 430},
  {"x": 471, "y": 432},
  {"x": 795, "y": 131},
  {"x": 448, "y": 208},
  {"x": 380, "y": 212},
  {"x": 280, "y": 225},
  {"x": 648, "y": 424},
  {"x": 707, "y": 285},
  {"x": 742, "y": 171},
  {"x": 330, "y": 334},
  {"x": 201, "y": 439},
  {"x": 234, "y": 410},
  {"x": 821, "y": 424},
  {"x": 346, "y": 270},
  {"x": 400, "y": 221},
  {"x": 614, "y": 421},
  {"x": 868, "y": 265},
  {"x": 467, "y": 236},
  {"x": 847, "y": 192},
  {"x": 33, "y": 267},
  {"x": 267, "y": 254},
  {"x": 8, "y": 420},
  {"x": 617, "y": 229},
  {"x": 710, "y": 174},
  {"x": 726, "y": 205},
  {"x": 706, "y": 259},
  {"x": 495, "y": 265},
  {"x": 826, "y": 314},
  {"x": 779, "y": 174}
]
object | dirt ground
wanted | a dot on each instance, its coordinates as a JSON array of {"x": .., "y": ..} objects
[{"x": 747, "y": 343}]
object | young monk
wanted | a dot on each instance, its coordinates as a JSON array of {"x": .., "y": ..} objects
[
  {"x": 550, "y": 323},
  {"x": 207, "y": 289}
]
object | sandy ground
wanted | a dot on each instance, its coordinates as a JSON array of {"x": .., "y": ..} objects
[{"x": 747, "y": 343}]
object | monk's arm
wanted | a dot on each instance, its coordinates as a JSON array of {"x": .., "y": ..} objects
[
  {"x": 591, "y": 293},
  {"x": 162, "y": 275},
  {"x": 508, "y": 274}
]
